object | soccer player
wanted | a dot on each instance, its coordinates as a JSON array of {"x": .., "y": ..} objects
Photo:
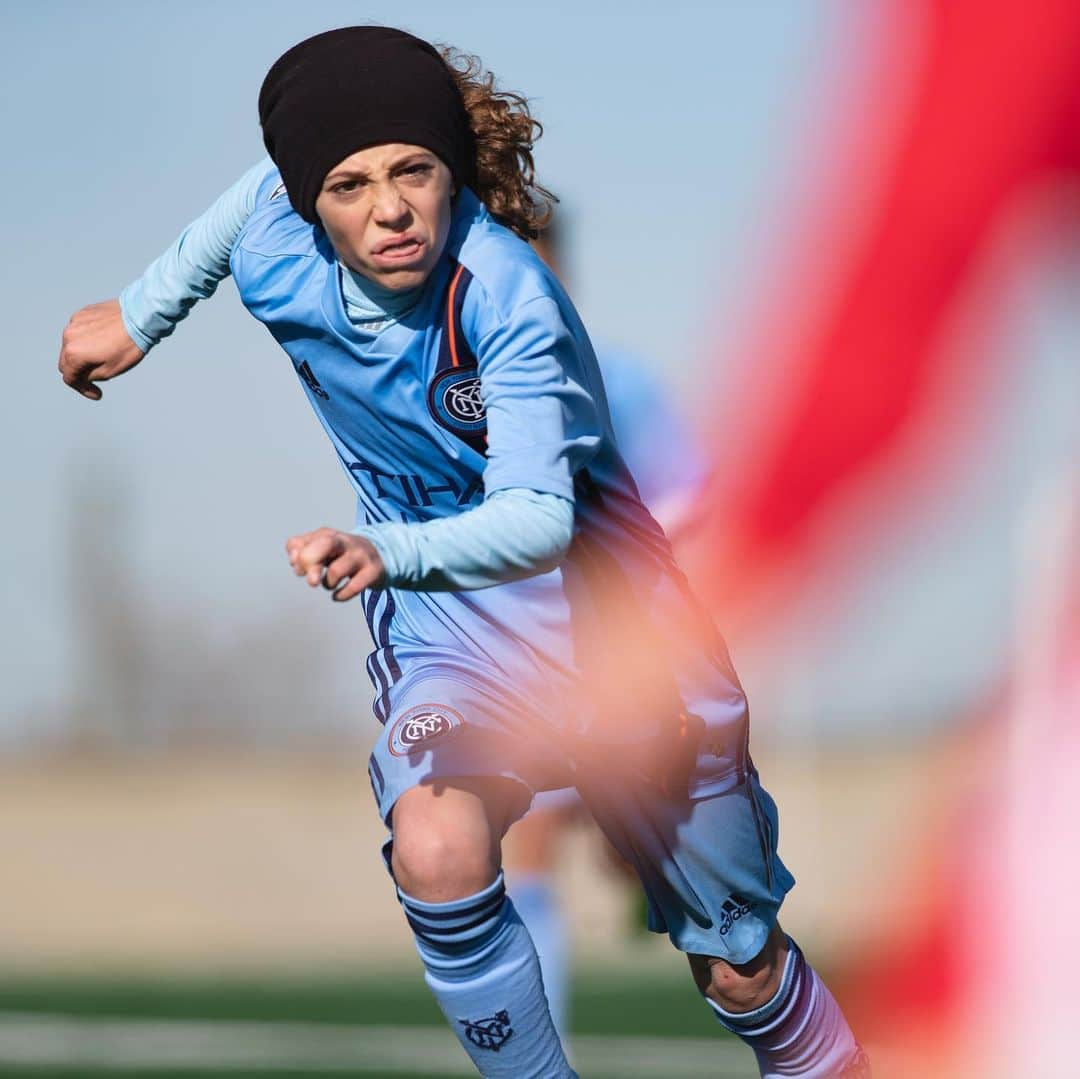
[{"x": 531, "y": 628}]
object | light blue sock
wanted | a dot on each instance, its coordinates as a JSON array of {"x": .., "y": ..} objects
[
  {"x": 482, "y": 968},
  {"x": 801, "y": 1031},
  {"x": 538, "y": 907}
]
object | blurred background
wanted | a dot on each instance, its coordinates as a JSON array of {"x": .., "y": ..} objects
[{"x": 841, "y": 238}]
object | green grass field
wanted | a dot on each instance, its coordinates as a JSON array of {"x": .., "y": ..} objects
[
  {"x": 663, "y": 1006},
  {"x": 82, "y": 1027}
]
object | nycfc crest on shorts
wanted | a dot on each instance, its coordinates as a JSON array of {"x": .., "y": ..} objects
[
  {"x": 421, "y": 724},
  {"x": 489, "y": 1033}
]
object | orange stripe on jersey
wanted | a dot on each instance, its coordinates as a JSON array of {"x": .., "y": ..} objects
[{"x": 451, "y": 328}]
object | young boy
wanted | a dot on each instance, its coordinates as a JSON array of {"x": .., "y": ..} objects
[{"x": 532, "y": 630}]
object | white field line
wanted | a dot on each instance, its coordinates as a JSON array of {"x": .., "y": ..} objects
[{"x": 143, "y": 1045}]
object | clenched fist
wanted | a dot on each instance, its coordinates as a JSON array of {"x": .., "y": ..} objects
[
  {"x": 96, "y": 347},
  {"x": 341, "y": 562}
]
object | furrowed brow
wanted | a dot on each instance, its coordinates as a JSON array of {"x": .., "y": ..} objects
[
  {"x": 413, "y": 157},
  {"x": 345, "y": 174}
]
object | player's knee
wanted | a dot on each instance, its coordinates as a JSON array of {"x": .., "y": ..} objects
[
  {"x": 743, "y": 987},
  {"x": 442, "y": 851},
  {"x": 437, "y": 866},
  {"x": 736, "y": 991}
]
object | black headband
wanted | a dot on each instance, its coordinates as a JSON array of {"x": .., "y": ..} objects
[{"x": 340, "y": 91}]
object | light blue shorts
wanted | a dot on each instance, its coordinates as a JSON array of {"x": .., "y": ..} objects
[
  {"x": 707, "y": 861},
  {"x": 709, "y": 867}
]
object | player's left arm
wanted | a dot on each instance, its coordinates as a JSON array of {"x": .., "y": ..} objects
[{"x": 543, "y": 423}]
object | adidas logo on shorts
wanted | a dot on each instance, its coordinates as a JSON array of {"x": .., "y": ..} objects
[{"x": 733, "y": 908}]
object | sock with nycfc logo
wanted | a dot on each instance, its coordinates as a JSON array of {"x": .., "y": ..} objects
[
  {"x": 481, "y": 965},
  {"x": 801, "y": 1031},
  {"x": 538, "y": 907}
]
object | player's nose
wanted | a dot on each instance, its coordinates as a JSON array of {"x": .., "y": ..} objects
[{"x": 390, "y": 208}]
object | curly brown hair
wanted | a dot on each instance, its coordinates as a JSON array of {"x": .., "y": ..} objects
[{"x": 504, "y": 131}]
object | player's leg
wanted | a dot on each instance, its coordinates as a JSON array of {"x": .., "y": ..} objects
[
  {"x": 530, "y": 854},
  {"x": 714, "y": 883},
  {"x": 777, "y": 1005},
  {"x": 450, "y": 776},
  {"x": 478, "y": 958}
]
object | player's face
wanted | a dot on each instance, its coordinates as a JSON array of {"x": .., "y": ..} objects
[{"x": 387, "y": 212}]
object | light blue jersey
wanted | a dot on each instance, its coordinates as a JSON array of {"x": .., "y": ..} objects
[{"x": 490, "y": 384}]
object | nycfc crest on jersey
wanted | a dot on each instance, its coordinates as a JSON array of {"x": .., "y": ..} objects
[
  {"x": 456, "y": 401},
  {"x": 422, "y": 724},
  {"x": 490, "y": 1033}
]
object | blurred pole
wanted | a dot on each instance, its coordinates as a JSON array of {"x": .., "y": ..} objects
[{"x": 108, "y": 691}]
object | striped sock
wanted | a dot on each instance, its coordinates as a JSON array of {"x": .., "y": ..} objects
[
  {"x": 481, "y": 965},
  {"x": 801, "y": 1031}
]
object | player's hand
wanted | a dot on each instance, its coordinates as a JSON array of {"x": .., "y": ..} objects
[
  {"x": 96, "y": 347},
  {"x": 341, "y": 562}
]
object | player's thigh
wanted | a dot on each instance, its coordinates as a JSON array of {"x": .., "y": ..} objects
[
  {"x": 447, "y": 834},
  {"x": 455, "y": 764},
  {"x": 709, "y": 866},
  {"x": 441, "y": 728}
]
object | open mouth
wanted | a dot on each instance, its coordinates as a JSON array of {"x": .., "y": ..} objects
[{"x": 403, "y": 249}]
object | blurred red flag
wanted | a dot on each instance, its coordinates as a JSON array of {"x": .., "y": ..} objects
[
  {"x": 850, "y": 407},
  {"x": 836, "y": 389}
]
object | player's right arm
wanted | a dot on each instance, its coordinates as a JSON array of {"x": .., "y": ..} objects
[{"x": 106, "y": 339}]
